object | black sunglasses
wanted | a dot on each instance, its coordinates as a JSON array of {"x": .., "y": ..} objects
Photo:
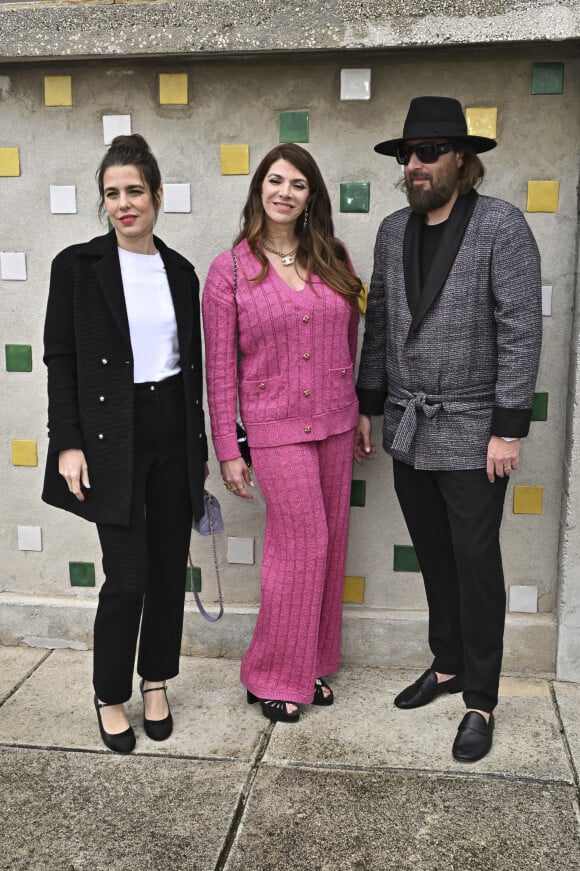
[{"x": 427, "y": 152}]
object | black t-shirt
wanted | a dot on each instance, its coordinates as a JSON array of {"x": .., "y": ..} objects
[{"x": 430, "y": 240}]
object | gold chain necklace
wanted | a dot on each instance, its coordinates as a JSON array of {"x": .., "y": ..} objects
[{"x": 287, "y": 259}]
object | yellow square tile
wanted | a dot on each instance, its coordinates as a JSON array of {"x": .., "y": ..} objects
[
  {"x": 235, "y": 159},
  {"x": 173, "y": 89},
  {"x": 363, "y": 299},
  {"x": 9, "y": 161},
  {"x": 58, "y": 91},
  {"x": 482, "y": 122},
  {"x": 528, "y": 500},
  {"x": 24, "y": 453},
  {"x": 354, "y": 590},
  {"x": 543, "y": 196}
]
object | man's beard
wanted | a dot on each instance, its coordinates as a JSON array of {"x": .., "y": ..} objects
[{"x": 427, "y": 199}]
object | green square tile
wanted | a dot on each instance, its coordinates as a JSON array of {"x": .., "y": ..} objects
[
  {"x": 540, "y": 406},
  {"x": 355, "y": 196},
  {"x": 81, "y": 574},
  {"x": 294, "y": 127},
  {"x": 18, "y": 358},
  {"x": 358, "y": 493},
  {"x": 548, "y": 78},
  {"x": 196, "y": 579},
  {"x": 405, "y": 558}
]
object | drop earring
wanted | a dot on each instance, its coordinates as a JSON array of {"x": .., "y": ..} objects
[{"x": 306, "y": 216}]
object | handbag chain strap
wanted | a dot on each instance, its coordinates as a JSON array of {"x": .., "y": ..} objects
[
  {"x": 198, "y": 601},
  {"x": 210, "y": 514}
]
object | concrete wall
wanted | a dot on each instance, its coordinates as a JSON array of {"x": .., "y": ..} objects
[
  {"x": 238, "y": 101},
  {"x": 37, "y": 29}
]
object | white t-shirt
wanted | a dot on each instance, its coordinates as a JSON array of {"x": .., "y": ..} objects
[{"x": 151, "y": 316}]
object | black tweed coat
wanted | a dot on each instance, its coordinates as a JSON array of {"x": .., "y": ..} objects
[
  {"x": 457, "y": 354},
  {"x": 87, "y": 350}
]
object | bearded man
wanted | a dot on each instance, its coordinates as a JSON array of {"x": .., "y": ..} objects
[{"x": 450, "y": 357}]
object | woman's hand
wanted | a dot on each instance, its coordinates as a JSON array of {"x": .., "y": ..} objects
[
  {"x": 73, "y": 468},
  {"x": 236, "y": 475},
  {"x": 363, "y": 447}
]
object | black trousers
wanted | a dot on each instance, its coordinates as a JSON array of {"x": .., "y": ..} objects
[
  {"x": 145, "y": 563},
  {"x": 454, "y": 520}
]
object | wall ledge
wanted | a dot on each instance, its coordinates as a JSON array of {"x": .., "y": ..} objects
[
  {"x": 41, "y": 30},
  {"x": 371, "y": 636}
]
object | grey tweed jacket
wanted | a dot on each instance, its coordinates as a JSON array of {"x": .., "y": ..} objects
[{"x": 454, "y": 360}]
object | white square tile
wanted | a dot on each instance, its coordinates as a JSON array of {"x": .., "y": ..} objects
[
  {"x": 547, "y": 300},
  {"x": 63, "y": 199},
  {"x": 523, "y": 598},
  {"x": 355, "y": 84},
  {"x": 29, "y": 538},
  {"x": 115, "y": 125},
  {"x": 177, "y": 198},
  {"x": 13, "y": 266},
  {"x": 241, "y": 550}
]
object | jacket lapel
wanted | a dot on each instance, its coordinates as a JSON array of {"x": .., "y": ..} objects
[
  {"x": 412, "y": 259},
  {"x": 444, "y": 258},
  {"x": 108, "y": 272}
]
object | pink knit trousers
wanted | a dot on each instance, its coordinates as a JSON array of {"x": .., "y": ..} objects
[{"x": 297, "y": 636}]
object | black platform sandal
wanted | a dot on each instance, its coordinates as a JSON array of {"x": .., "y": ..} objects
[
  {"x": 319, "y": 697},
  {"x": 275, "y": 709},
  {"x": 157, "y": 730},
  {"x": 123, "y": 742}
]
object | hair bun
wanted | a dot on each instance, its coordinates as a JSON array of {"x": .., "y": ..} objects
[{"x": 131, "y": 142}]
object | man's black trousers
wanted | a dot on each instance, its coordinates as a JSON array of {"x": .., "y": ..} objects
[{"x": 454, "y": 519}]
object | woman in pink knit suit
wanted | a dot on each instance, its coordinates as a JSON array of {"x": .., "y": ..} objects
[{"x": 292, "y": 314}]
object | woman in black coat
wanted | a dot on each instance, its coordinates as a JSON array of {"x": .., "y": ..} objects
[{"x": 127, "y": 442}]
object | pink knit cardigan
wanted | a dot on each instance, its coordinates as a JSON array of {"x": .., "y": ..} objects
[{"x": 296, "y": 374}]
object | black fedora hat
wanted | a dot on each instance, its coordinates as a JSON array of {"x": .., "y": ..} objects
[{"x": 435, "y": 118}]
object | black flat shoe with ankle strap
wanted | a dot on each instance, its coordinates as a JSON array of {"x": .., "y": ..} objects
[
  {"x": 157, "y": 730},
  {"x": 123, "y": 742}
]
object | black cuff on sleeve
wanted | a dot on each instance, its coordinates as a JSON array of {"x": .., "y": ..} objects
[
  {"x": 64, "y": 441},
  {"x": 511, "y": 422},
  {"x": 371, "y": 401}
]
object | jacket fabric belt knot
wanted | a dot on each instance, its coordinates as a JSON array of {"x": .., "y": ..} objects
[{"x": 430, "y": 405}]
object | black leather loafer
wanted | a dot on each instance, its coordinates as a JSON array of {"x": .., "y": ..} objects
[
  {"x": 427, "y": 688},
  {"x": 474, "y": 738}
]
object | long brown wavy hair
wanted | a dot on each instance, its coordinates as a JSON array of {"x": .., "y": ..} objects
[{"x": 319, "y": 251}]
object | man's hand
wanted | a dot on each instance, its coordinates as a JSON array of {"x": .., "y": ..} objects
[
  {"x": 502, "y": 457},
  {"x": 73, "y": 468},
  {"x": 363, "y": 447}
]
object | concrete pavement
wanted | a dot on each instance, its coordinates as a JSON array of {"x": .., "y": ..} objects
[{"x": 359, "y": 786}]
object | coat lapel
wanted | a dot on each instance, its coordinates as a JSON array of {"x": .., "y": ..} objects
[
  {"x": 179, "y": 273},
  {"x": 444, "y": 259},
  {"x": 108, "y": 272}
]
